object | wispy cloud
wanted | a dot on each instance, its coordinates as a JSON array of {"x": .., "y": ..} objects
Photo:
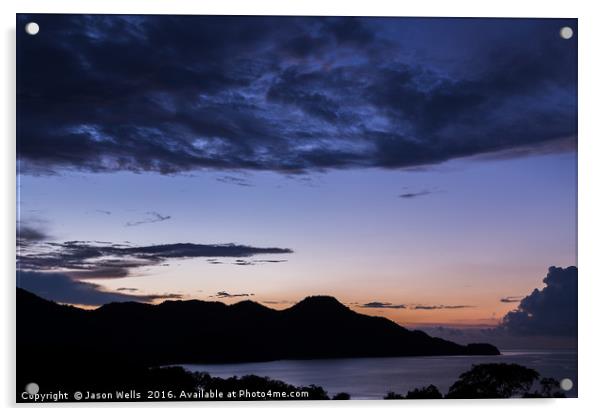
[
  {"x": 240, "y": 262},
  {"x": 411, "y": 195},
  {"x": 435, "y": 307},
  {"x": 511, "y": 299},
  {"x": 251, "y": 262},
  {"x": 277, "y": 302},
  {"x": 231, "y": 295},
  {"x": 152, "y": 217},
  {"x": 234, "y": 180},
  {"x": 389, "y": 305},
  {"x": 382, "y": 305}
]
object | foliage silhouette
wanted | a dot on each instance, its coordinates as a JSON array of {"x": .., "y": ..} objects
[
  {"x": 493, "y": 381},
  {"x": 489, "y": 381},
  {"x": 550, "y": 387},
  {"x": 429, "y": 392}
]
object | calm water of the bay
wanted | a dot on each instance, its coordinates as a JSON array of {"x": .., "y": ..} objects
[{"x": 372, "y": 378}]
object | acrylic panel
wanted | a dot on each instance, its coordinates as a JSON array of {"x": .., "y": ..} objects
[{"x": 295, "y": 208}]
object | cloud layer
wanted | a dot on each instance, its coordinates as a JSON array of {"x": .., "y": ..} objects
[
  {"x": 389, "y": 305},
  {"x": 180, "y": 93},
  {"x": 97, "y": 260}
]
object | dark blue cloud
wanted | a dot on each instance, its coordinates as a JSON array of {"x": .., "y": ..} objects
[
  {"x": 551, "y": 311},
  {"x": 62, "y": 288},
  {"x": 27, "y": 234},
  {"x": 291, "y": 94}
]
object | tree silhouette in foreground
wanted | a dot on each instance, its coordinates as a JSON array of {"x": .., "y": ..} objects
[
  {"x": 499, "y": 381},
  {"x": 490, "y": 381},
  {"x": 550, "y": 387},
  {"x": 428, "y": 392}
]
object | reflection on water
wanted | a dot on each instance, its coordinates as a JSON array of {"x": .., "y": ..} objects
[{"x": 372, "y": 378}]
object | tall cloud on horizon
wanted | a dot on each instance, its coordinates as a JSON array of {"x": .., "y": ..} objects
[
  {"x": 551, "y": 311},
  {"x": 174, "y": 94}
]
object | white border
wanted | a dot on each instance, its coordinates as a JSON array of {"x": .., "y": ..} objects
[{"x": 590, "y": 201}]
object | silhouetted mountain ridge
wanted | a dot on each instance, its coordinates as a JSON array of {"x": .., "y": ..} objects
[{"x": 197, "y": 331}]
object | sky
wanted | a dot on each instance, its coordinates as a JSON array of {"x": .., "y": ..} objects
[{"x": 420, "y": 169}]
